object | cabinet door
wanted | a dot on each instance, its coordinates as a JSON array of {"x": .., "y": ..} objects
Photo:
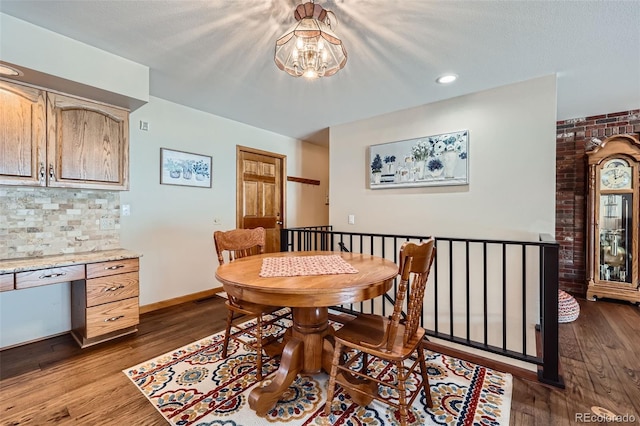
[
  {"x": 87, "y": 144},
  {"x": 22, "y": 135}
]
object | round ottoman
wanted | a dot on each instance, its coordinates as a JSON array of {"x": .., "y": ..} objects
[{"x": 568, "y": 308}]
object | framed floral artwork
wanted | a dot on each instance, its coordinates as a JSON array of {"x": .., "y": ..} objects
[
  {"x": 184, "y": 168},
  {"x": 427, "y": 161}
]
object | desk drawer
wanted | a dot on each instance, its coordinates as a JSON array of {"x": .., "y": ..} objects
[
  {"x": 102, "y": 269},
  {"x": 111, "y": 288},
  {"x": 6, "y": 282},
  {"x": 103, "y": 319},
  {"x": 49, "y": 276}
]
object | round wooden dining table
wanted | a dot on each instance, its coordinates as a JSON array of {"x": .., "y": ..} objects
[{"x": 307, "y": 349}]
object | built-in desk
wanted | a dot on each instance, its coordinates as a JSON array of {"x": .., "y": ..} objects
[{"x": 104, "y": 289}]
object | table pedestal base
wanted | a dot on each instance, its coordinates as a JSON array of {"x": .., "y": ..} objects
[
  {"x": 309, "y": 335},
  {"x": 305, "y": 352}
]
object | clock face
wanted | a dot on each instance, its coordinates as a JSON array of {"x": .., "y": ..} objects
[{"x": 616, "y": 178}]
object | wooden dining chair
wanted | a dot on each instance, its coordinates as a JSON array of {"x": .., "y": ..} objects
[
  {"x": 239, "y": 243},
  {"x": 391, "y": 340}
]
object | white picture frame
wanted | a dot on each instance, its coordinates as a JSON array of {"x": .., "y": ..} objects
[{"x": 437, "y": 160}]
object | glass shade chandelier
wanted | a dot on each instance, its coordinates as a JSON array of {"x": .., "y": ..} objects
[{"x": 310, "y": 48}]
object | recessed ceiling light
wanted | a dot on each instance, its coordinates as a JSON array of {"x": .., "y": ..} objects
[
  {"x": 446, "y": 79},
  {"x": 7, "y": 70}
]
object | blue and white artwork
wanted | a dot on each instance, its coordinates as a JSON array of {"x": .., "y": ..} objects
[{"x": 427, "y": 161}]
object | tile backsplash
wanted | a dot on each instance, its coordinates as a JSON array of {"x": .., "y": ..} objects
[{"x": 47, "y": 221}]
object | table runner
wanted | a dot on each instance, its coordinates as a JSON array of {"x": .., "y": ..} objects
[{"x": 305, "y": 265}]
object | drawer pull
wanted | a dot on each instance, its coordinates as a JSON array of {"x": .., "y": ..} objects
[
  {"x": 114, "y": 288},
  {"x": 112, "y": 319},
  {"x": 111, "y": 268},
  {"x": 59, "y": 274}
]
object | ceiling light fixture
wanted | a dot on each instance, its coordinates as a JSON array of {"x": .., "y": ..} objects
[
  {"x": 310, "y": 48},
  {"x": 446, "y": 79},
  {"x": 7, "y": 70}
]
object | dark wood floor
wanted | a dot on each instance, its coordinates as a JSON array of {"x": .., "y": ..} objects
[
  {"x": 600, "y": 362},
  {"x": 55, "y": 382}
]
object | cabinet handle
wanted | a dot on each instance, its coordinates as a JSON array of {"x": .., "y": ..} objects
[
  {"x": 112, "y": 319},
  {"x": 114, "y": 288},
  {"x": 59, "y": 274},
  {"x": 52, "y": 173},
  {"x": 42, "y": 172},
  {"x": 110, "y": 268}
]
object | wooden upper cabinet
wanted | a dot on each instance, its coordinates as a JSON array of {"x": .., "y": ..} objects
[
  {"x": 50, "y": 139},
  {"x": 87, "y": 144},
  {"x": 22, "y": 135}
]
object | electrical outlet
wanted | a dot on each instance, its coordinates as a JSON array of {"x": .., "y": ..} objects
[
  {"x": 144, "y": 125},
  {"x": 126, "y": 210},
  {"x": 107, "y": 224},
  {"x": 352, "y": 219}
]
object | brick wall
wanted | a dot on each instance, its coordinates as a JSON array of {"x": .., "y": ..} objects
[
  {"x": 44, "y": 221},
  {"x": 571, "y": 179}
]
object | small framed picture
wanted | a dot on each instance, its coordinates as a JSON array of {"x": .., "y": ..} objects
[{"x": 185, "y": 168}]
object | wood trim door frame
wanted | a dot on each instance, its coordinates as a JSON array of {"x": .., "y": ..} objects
[{"x": 239, "y": 188}]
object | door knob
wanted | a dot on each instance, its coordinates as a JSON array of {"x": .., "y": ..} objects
[{"x": 278, "y": 222}]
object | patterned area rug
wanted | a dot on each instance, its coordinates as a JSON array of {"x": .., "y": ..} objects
[{"x": 193, "y": 386}]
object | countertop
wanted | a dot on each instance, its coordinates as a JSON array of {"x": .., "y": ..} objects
[{"x": 9, "y": 266}]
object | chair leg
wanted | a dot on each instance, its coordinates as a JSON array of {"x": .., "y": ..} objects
[
  {"x": 259, "y": 348},
  {"x": 365, "y": 362},
  {"x": 426, "y": 387},
  {"x": 402, "y": 392},
  {"x": 332, "y": 379},
  {"x": 227, "y": 332}
]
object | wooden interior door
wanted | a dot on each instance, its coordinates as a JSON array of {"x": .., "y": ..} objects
[{"x": 260, "y": 192}]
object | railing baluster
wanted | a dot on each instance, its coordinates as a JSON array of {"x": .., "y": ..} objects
[
  {"x": 484, "y": 292},
  {"x": 451, "y": 289},
  {"x": 524, "y": 300},
  {"x": 371, "y": 253},
  {"x": 435, "y": 290},
  {"x": 468, "y": 292},
  {"x": 504, "y": 297}
]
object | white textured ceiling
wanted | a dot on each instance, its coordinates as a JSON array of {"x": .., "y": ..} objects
[{"x": 217, "y": 55}]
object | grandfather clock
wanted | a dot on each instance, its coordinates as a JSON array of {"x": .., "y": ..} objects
[{"x": 613, "y": 219}]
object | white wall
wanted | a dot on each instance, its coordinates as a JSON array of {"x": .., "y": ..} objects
[
  {"x": 511, "y": 194},
  {"x": 58, "y": 62},
  {"x": 172, "y": 226}
]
